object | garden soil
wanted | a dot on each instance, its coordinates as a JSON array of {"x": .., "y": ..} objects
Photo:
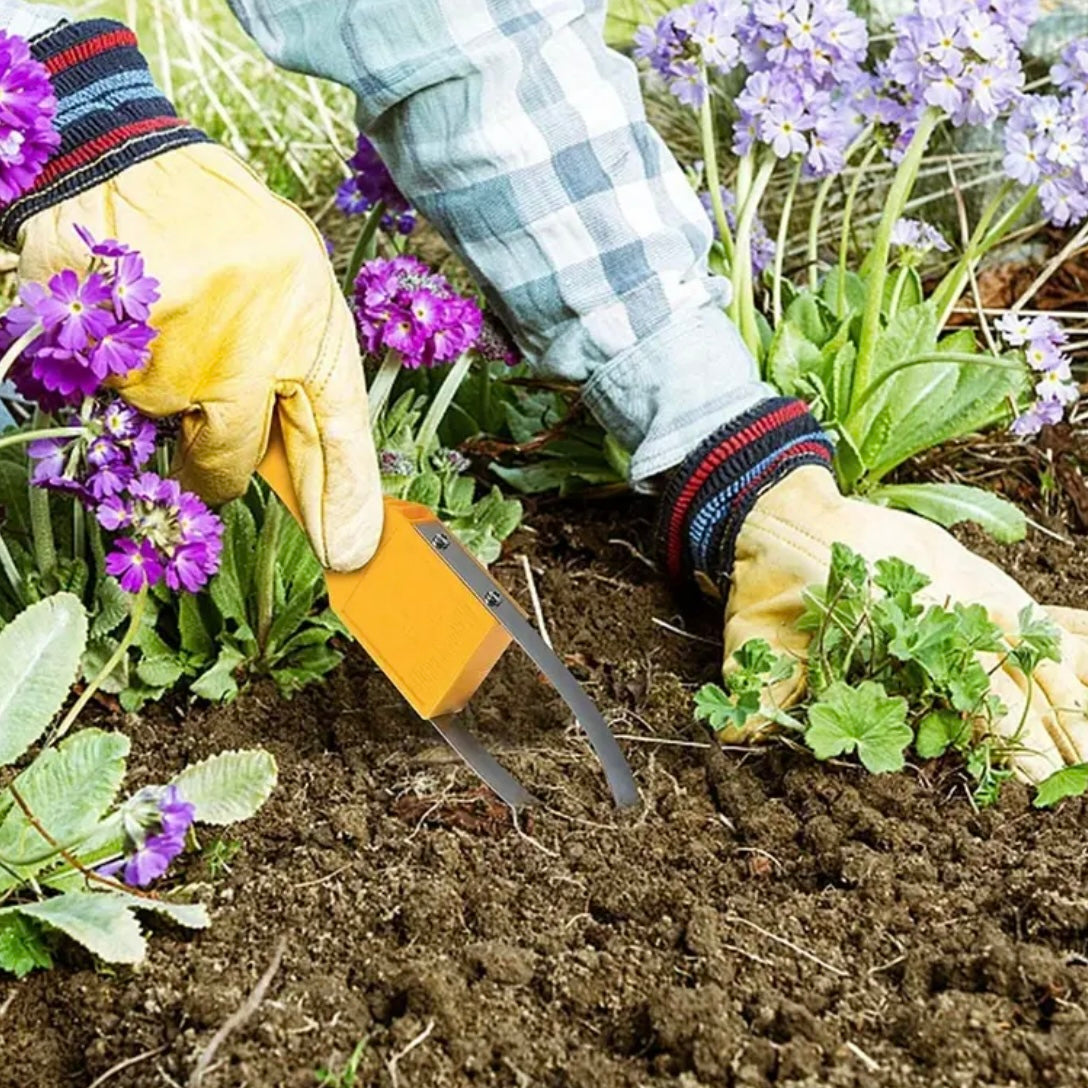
[{"x": 763, "y": 921}]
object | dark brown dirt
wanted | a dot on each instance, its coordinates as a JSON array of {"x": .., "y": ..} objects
[{"x": 763, "y": 921}]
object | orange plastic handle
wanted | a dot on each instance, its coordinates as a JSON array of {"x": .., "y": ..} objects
[{"x": 414, "y": 616}]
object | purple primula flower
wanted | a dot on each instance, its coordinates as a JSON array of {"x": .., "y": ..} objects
[
  {"x": 135, "y": 564},
  {"x": 109, "y": 247},
  {"x": 121, "y": 349},
  {"x": 28, "y": 109},
  {"x": 156, "y": 821},
  {"x": 134, "y": 292},
  {"x": 370, "y": 184},
  {"x": 402, "y": 306},
  {"x": 1041, "y": 339},
  {"x": 72, "y": 309},
  {"x": 1043, "y": 413},
  {"x": 917, "y": 236},
  {"x": 495, "y": 344}
]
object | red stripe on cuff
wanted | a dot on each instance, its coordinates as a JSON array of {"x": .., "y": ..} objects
[{"x": 115, "y": 39}]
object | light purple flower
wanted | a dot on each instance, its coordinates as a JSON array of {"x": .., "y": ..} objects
[
  {"x": 28, "y": 109},
  {"x": 918, "y": 236},
  {"x": 1043, "y": 413},
  {"x": 370, "y": 184},
  {"x": 156, "y": 822}
]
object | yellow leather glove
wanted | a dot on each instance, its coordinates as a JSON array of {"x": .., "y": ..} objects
[
  {"x": 251, "y": 322},
  {"x": 784, "y": 547}
]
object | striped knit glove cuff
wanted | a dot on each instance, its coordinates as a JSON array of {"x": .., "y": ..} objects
[
  {"x": 711, "y": 493},
  {"x": 110, "y": 115}
]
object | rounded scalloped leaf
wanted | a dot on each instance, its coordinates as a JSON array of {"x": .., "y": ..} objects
[
  {"x": 228, "y": 787},
  {"x": 40, "y": 651}
]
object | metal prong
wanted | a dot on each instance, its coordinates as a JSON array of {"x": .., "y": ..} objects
[{"x": 493, "y": 774}]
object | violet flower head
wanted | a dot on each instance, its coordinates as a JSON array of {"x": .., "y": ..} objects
[
  {"x": 403, "y": 306},
  {"x": 93, "y": 326},
  {"x": 918, "y": 237},
  {"x": 371, "y": 184},
  {"x": 156, "y": 821},
  {"x": 170, "y": 535},
  {"x": 1041, "y": 339},
  {"x": 495, "y": 344},
  {"x": 28, "y": 110}
]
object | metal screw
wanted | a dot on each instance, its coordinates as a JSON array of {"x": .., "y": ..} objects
[
  {"x": 492, "y": 598},
  {"x": 440, "y": 541}
]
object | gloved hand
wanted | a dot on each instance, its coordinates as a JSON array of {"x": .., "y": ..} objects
[
  {"x": 251, "y": 319},
  {"x": 782, "y": 513}
]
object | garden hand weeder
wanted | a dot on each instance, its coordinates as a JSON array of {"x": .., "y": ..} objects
[{"x": 435, "y": 622}]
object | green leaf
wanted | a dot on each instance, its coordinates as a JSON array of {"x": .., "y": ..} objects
[
  {"x": 195, "y": 638},
  {"x": 979, "y": 633},
  {"x": 792, "y": 355},
  {"x": 951, "y": 504},
  {"x": 287, "y": 621},
  {"x": 39, "y": 659},
  {"x": 21, "y": 946},
  {"x": 219, "y": 683},
  {"x": 865, "y": 719},
  {"x": 458, "y": 494},
  {"x": 190, "y": 915},
  {"x": 855, "y": 293},
  {"x": 1037, "y": 639},
  {"x": 940, "y": 730},
  {"x": 722, "y": 710},
  {"x": 898, "y": 578},
  {"x": 113, "y": 607},
  {"x": 426, "y": 489},
  {"x": 500, "y": 515},
  {"x": 101, "y": 922},
  {"x": 159, "y": 672},
  {"x": 1070, "y": 781},
  {"x": 228, "y": 787},
  {"x": 68, "y": 788}
]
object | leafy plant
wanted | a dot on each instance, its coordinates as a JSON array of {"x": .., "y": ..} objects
[
  {"x": 886, "y": 671},
  {"x": 62, "y": 827},
  {"x": 348, "y": 1075}
]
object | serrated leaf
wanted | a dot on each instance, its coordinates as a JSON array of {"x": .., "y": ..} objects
[
  {"x": 219, "y": 683},
  {"x": 228, "y": 787},
  {"x": 101, "y": 922},
  {"x": 1070, "y": 781},
  {"x": 94, "y": 660},
  {"x": 792, "y": 355},
  {"x": 459, "y": 492},
  {"x": 864, "y": 719},
  {"x": 190, "y": 915},
  {"x": 296, "y": 562},
  {"x": 40, "y": 652},
  {"x": 722, "y": 710},
  {"x": 196, "y": 640},
  {"x": 426, "y": 489},
  {"x": 68, "y": 788},
  {"x": 951, "y": 504},
  {"x": 113, "y": 607},
  {"x": 898, "y": 578},
  {"x": 940, "y": 730},
  {"x": 21, "y": 946},
  {"x": 159, "y": 672},
  {"x": 287, "y": 621}
]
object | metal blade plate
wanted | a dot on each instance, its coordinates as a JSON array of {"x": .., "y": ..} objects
[{"x": 616, "y": 768}]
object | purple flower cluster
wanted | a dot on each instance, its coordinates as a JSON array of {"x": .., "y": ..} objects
[
  {"x": 170, "y": 535},
  {"x": 1042, "y": 340},
  {"x": 763, "y": 247},
  {"x": 959, "y": 56},
  {"x": 804, "y": 61},
  {"x": 918, "y": 237},
  {"x": 690, "y": 41},
  {"x": 93, "y": 327},
  {"x": 156, "y": 821},
  {"x": 28, "y": 110},
  {"x": 370, "y": 184},
  {"x": 403, "y": 306},
  {"x": 495, "y": 344},
  {"x": 1046, "y": 140}
]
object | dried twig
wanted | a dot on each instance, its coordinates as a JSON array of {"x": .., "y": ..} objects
[
  {"x": 538, "y": 611},
  {"x": 134, "y": 1060},
  {"x": 871, "y": 1064},
  {"x": 788, "y": 944},
  {"x": 239, "y": 1016},
  {"x": 391, "y": 1063}
]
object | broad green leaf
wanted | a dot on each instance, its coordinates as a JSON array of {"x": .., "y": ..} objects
[
  {"x": 113, "y": 607},
  {"x": 898, "y": 578},
  {"x": 480, "y": 542},
  {"x": 39, "y": 660},
  {"x": 101, "y": 922},
  {"x": 98, "y": 652},
  {"x": 951, "y": 504},
  {"x": 159, "y": 672},
  {"x": 1037, "y": 639},
  {"x": 502, "y": 516},
  {"x": 863, "y": 719},
  {"x": 195, "y": 637},
  {"x": 21, "y": 945},
  {"x": 722, "y": 710},
  {"x": 426, "y": 488},
  {"x": 190, "y": 915},
  {"x": 458, "y": 494},
  {"x": 296, "y": 561},
  {"x": 1068, "y": 782},
  {"x": 68, "y": 788},
  {"x": 940, "y": 730},
  {"x": 854, "y": 293},
  {"x": 137, "y": 695},
  {"x": 533, "y": 479},
  {"x": 228, "y": 787},
  {"x": 791, "y": 356},
  {"x": 219, "y": 683},
  {"x": 287, "y": 620}
]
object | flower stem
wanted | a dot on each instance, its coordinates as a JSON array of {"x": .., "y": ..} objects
[
  {"x": 382, "y": 386},
  {"x": 18, "y": 348},
  {"x": 744, "y": 303},
  {"x": 713, "y": 178},
  {"x": 266, "y": 572},
  {"x": 900, "y": 190},
  {"x": 443, "y": 399},
  {"x": 139, "y": 605},
  {"x": 897, "y": 290},
  {"x": 780, "y": 244},
  {"x": 363, "y": 245},
  {"x": 847, "y": 216},
  {"x": 7, "y": 563},
  {"x": 22, "y": 437}
]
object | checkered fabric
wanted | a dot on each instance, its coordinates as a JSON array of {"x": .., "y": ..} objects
[{"x": 522, "y": 138}]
